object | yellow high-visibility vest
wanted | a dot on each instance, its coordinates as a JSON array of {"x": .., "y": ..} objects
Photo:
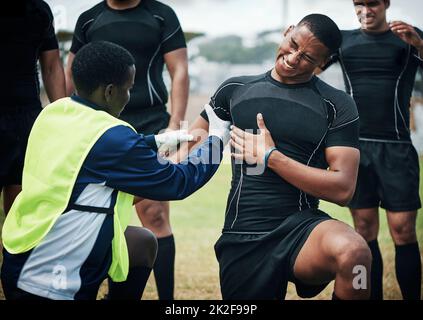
[{"x": 59, "y": 142}]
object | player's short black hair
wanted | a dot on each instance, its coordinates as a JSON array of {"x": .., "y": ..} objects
[
  {"x": 324, "y": 29},
  {"x": 100, "y": 63}
]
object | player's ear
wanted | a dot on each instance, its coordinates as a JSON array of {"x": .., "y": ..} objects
[
  {"x": 326, "y": 62},
  {"x": 108, "y": 92},
  {"x": 387, "y": 3},
  {"x": 288, "y": 30}
]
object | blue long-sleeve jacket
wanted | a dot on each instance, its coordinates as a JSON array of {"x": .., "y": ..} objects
[{"x": 78, "y": 247}]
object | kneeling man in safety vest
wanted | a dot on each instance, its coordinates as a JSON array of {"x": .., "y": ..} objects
[{"x": 67, "y": 230}]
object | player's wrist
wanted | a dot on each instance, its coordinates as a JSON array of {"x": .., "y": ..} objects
[
  {"x": 275, "y": 159},
  {"x": 267, "y": 155},
  {"x": 174, "y": 124}
]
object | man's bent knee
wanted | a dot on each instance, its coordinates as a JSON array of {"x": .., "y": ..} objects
[
  {"x": 142, "y": 246},
  {"x": 354, "y": 254}
]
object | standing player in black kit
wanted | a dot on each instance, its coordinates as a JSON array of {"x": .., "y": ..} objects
[
  {"x": 151, "y": 32},
  {"x": 27, "y": 37},
  {"x": 379, "y": 63}
]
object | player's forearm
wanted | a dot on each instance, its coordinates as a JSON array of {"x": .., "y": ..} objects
[
  {"x": 70, "y": 88},
  {"x": 54, "y": 82},
  {"x": 333, "y": 186},
  {"x": 179, "y": 97},
  {"x": 176, "y": 182},
  {"x": 199, "y": 130}
]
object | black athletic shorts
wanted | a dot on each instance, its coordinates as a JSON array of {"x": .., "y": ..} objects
[
  {"x": 15, "y": 126},
  {"x": 148, "y": 121},
  {"x": 388, "y": 177},
  {"x": 259, "y": 266}
]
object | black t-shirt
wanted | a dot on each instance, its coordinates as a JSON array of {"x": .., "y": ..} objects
[
  {"x": 298, "y": 118},
  {"x": 147, "y": 31},
  {"x": 379, "y": 72},
  {"x": 24, "y": 35}
]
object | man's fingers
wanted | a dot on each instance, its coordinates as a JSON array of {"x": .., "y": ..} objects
[
  {"x": 260, "y": 122},
  {"x": 238, "y": 147},
  {"x": 401, "y": 28},
  {"x": 398, "y": 25},
  {"x": 396, "y": 22},
  {"x": 237, "y": 131},
  {"x": 237, "y": 156},
  {"x": 163, "y": 152},
  {"x": 240, "y": 139}
]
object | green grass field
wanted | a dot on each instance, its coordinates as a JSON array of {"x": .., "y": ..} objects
[{"x": 197, "y": 222}]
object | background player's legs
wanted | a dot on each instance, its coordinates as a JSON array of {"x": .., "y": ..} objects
[
  {"x": 366, "y": 222},
  {"x": 334, "y": 250},
  {"x": 9, "y": 195},
  {"x": 402, "y": 226},
  {"x": 154, "y": 215},
  {"x": 142, "y": 250}
]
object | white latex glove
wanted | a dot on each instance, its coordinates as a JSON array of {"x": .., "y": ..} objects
[
  {"x": 168, "y": 142},
  {"x": 217, "y": 126}
]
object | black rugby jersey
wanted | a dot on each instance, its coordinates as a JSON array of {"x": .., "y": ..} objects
[
  {"x": 379, "y": 72},
  {"x": 297, "y": 116},
  {"x": 147, "y": 31}
]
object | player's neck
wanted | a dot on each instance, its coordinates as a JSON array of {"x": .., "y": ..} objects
[
  {"x": 123, "y": 4},
  {"x": 379, "y": 29},
  {"x": 288, "y": 81}
]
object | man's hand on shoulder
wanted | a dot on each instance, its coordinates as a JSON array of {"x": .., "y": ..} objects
[{"x": 407, "y": 33}]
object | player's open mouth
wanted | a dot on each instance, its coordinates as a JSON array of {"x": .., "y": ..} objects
[{"x": 286, "y": 64}]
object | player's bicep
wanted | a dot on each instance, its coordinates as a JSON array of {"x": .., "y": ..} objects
[
  {"x": 344, "y": 160},
  {"x": 176, "y": 60}
]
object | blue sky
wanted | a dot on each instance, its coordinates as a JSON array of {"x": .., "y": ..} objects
[{"x": 246, "y": 17}]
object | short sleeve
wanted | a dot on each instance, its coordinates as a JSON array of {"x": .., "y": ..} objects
[
  {"x": 344, "y": 131},
  {"x": 78, "y": 39},
  {"x": 49, "y": 41},
  {"x": 221, "y": 100},
  {"x": 172, "y": 34}
]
